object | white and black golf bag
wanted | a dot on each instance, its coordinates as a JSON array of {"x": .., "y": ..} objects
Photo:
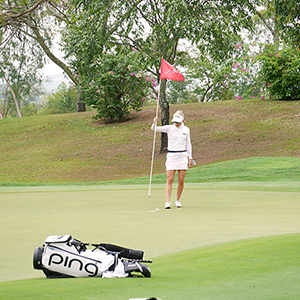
[{"x": 64, "y": 256}]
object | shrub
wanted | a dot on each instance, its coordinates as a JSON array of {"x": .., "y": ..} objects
[
  {"x": 116, "y": 85},
  {"x": 279, "y": 71}
]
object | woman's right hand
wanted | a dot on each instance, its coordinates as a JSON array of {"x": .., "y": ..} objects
[{"x": 155, "y": 120}]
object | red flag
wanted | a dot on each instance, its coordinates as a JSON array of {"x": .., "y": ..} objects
[{"x": 167, "y": 71}]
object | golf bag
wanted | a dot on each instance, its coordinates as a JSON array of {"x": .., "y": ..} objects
[{"x": 64, "y": 256}]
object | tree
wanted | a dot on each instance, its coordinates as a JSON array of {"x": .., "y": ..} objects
[
  {"x": 280, "y": 18},
  {"x": 4, "y": 109},
  {"x": 272, "y": 72},
  {"x": 33, "y": 19},
  {"x": 19, "y": 70},
  {"x": 156, "y": 28},
  {"x": 213, "y": 80},
  {"x": 2, "y": 74},
  {"x": 288, "y": 12},
  {"x": 268, "y": 18},
  {"x": 62, "y": 101},
  {"x": 272, "y": 69}
]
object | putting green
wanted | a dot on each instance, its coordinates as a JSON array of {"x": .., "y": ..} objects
[
  {"x": 123, "y": 215},
  {"x": 256, "y": 269}
]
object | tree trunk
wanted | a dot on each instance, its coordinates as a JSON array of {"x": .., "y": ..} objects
[
  {"x": 275, "y": 32},
  {"x": 80, "y": 105},
  {"x": 14, "y": 97},
  {"x": 165, "y": 114}
]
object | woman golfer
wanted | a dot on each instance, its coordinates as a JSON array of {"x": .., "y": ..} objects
[{"x": 179, "y": 156}]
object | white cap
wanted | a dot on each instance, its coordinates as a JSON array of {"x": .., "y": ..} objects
[{"x": 177, "y": 118}]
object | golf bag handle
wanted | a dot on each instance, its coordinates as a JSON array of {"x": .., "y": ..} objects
[{"x": 123, "y": 252}]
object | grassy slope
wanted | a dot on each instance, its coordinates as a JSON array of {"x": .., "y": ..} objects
[{"x": 74, "y": 148}]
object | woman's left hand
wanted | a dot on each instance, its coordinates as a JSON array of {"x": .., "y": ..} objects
[
  {"x": 155, "y": 120},
  {"x": 190, "y": 163}
]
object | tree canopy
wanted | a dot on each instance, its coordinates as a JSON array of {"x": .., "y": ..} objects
[
  {"x": 30, "y": 19},
  {"x": 288, "y": 14},
  {"x": 35, "y": 21},
  {"x": 156, "y": 28},
  {"x": 100, "y": 37}
]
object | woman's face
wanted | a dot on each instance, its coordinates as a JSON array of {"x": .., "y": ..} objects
[{"x": 177, "y": 124}]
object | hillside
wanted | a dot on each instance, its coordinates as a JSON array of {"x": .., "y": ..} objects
[{"x": 75, "y": 148}]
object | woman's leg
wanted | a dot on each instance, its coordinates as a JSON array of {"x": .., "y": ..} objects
[
  {"x": 181, "y": 175},
  {"x": 170, "y": 180}
]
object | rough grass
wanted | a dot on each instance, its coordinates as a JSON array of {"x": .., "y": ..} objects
[{"x": 74, "y": 148}]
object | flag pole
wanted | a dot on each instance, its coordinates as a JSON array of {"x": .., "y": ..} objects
[
  {"x": 153, "y": 147},
  {"x": 167, "y": 71}
]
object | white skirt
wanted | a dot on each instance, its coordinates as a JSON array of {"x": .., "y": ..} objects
[{"x": 177, "y": 161}]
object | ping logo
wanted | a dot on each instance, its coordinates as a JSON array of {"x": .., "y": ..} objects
[{"x": 57, "y": 259}]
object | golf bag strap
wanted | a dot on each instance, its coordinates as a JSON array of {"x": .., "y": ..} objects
[{"x": 123, "y": 252}]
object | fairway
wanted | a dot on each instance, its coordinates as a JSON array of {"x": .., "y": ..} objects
[{"x": 123, "y": 215}]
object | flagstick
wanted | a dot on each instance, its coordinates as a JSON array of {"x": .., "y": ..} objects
[
  {"x": 152, "y": 159},
  {"x": 167, "y": 71}
]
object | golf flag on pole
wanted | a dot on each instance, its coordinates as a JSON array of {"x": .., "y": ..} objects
[{"x": 167, "y": 71}]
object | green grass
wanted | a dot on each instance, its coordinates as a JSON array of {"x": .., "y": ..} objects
[
  {"x": 122, "y": 214},
  {"x": 261, "y": 268},
  {"x": 236, "y": 237},
  {"x": 73, "y": 148},
  {"x": 248, "y": 169},
  {"x": 254, "y": 169}
]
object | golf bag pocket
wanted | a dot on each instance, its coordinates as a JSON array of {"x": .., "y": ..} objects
[{"x": 68, "y": 262}]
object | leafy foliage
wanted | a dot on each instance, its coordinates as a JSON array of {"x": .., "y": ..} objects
[
  {"x": 156, "y": 29},
  {"x": 115, "y": 85},
  {"x": 213, "y": 80},
  {"x": 181, "y": 92},
  {"x": 33, "y": 20},
  {"x": 279, "y": 71},
  {"x": 62, "y": 101},
  {"x": 272, "y": 73},
  {"x": 266, "y": 29},
  {"x": 288, "y": 12}
]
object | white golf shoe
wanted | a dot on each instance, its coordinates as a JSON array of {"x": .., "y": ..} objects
[
  {"x": 178, "y": 203},
  {"x": 168, "y": 205}
]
